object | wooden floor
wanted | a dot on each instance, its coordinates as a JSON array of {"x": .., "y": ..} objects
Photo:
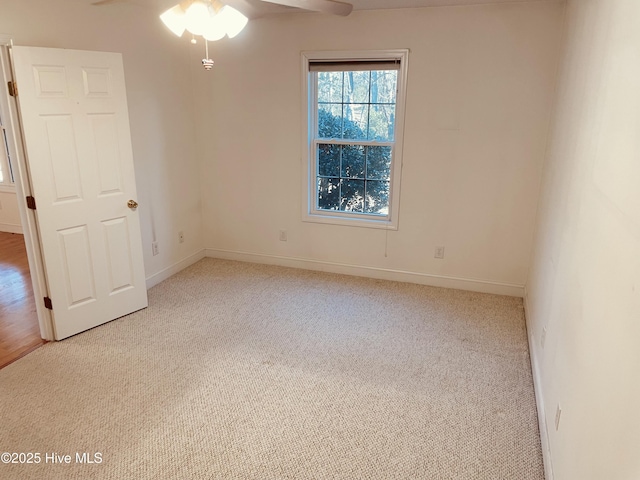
[{"x": 19, "y": 330}]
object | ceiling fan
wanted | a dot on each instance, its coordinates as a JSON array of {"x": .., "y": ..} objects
[{"x": 215, "y": 19}]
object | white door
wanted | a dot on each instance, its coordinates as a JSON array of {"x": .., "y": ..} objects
[{"x": 76, "y": 132}]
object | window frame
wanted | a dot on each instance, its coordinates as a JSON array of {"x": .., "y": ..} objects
[
  {"x": 310, "y": 212},
  {"x": 8, "y": 183}
]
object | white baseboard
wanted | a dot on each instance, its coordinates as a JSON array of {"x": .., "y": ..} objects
[
  {"x": 473, "y": 285},
  {"x": 162, "y": 275},
  {"x": 10, "y": 228},
  {"x": 537, "y": 388}
]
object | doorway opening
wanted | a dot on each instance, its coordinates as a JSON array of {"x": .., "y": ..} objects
[
  {"x": 19, "y": 327},
  {"x": 24, "y": 324}
]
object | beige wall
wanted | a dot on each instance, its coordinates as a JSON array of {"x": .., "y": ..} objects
[
  {"x": 9, "y": 214},
  {"x": 161, "y": 107},
  {"x": 479, "y": 97},
  {"x": 584, "y": 287}
]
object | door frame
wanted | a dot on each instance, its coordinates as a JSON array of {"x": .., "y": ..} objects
[{"x": 23, "y": 189}]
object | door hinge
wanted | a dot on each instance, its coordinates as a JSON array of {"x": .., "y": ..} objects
[
  {"x": 13, "y": 88},
  {"x": 31, "y": 202},
  {"x": 47, "y": 303}
]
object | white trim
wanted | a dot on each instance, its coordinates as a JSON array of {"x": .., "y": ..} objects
[
  {"x": 8, "y": 188},
  {"x": 10, "y": 228},
  {"x": 339, "y": 218},
  {"x": 471, "y": 284},
  {"x": 537, "y": 388},
  {"x": 309, "y": 212},
  {"x": 162, "y": 275}
]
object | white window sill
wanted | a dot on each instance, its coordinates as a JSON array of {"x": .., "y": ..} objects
[
  {"x": 4, "y": 188},
  {"x": 350, "y": 221}
]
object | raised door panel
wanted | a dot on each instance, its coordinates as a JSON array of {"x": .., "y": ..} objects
[
  {"x": 119, "y": 262},
  {"x": 63, "y": 157},
  {"x": 107, "y": 153},
  {"x": 77, "y": 262}
]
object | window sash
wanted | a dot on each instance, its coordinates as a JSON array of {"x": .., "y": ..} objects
[
  {"x": 347, "y": 66},
  {"x": 365, "y": 178}
]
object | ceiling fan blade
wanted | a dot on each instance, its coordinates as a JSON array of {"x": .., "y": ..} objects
[
  {"x": 325, "y": 6},
  {"x": 105, "y": 2}
]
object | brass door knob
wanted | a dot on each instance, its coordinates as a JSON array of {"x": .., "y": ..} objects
[{"x": 132, "y": 204}]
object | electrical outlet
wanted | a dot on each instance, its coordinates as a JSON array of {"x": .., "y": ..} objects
[
  {"x": 543, "y": 336},
  {"x": 558, "y": 413},
  {"x": 154, "y": 248},
  {"x": 283, "y": 235},
  {"x": 439, "y": 253},
  {"x": 181, "y": 237}
]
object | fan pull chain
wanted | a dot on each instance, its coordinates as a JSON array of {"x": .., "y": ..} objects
[{"x": 207, "y": 63}]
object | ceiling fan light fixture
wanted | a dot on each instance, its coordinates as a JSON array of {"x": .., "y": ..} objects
[
  {"x": 215, "y": 29},
  {"x": 233, "y": 20},
  {"x": 197, "y": 17},
  {"x": 174, "y": 20}
]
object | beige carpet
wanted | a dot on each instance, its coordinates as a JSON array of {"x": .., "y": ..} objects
[{"x": 243, "y": 371}]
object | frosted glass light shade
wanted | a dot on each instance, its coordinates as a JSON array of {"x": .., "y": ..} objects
[
  {"x": 215, "y": 28},
  {"x": 197, "y": 17},
  {"x": 233, "y": 20},
  {"x": 174, "y": 19},
  {"x": 201, "y": 18}
]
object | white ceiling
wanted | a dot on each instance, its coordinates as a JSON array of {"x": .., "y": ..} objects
[{"x": 258, "y": 8}]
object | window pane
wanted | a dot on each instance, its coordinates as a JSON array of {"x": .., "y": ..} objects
[
  {"x": 378, "y": 163},
  {"x": 382, "y": 122},
  {"x": 377, "y": 197},
  {"x": 356, "y": 87},
  {"x": 9, "y": 174},
  {"x": 328, "y": 193},
  {"x": 352, "y": 197},
  {"x": 356, "y": 117},
  {"x": 330, "y": 120},
  {"x": 352, "y": 161},
  {"x": 328, "y": 160},
  {"x": 383, "y": 86},
  {"x": 330, "y": 87}
]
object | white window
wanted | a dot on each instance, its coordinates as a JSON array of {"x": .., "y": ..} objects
[
  {"x": 6, "y": 175},
  {"x": 353, "y": 142}
]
